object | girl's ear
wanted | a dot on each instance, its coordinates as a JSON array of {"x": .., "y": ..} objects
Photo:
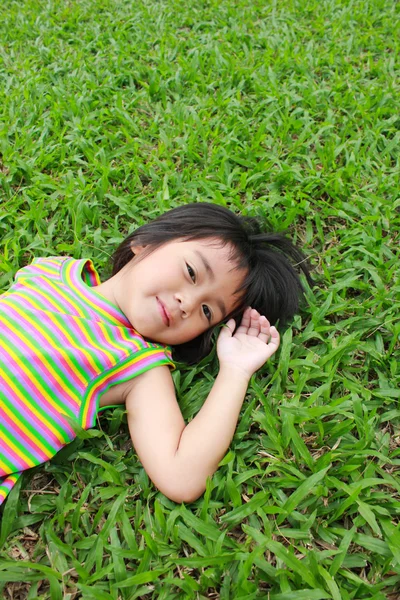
[{"x": 137, "y": 249}]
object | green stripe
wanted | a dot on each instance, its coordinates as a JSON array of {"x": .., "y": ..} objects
[
  {"x": 39, "y": 294},
  {"x": 40, "y": 327},
  {"x": 7, "y": 435},
  {"x": 95, "y": 352},
  {"x": 24, "y": 394},
  {"x": 15, "y": 477},
  {"x": 140, "y": 343},
  {"x": 104, "y": 378},
  {"x": 86, "y": 275},
  {"x": 78, "y": 345},
  {"x": 72, "y": 299},
  {"x": 32, "y": 374},
  {"x": 39, "y": 263},
  {"x": 19, "y": 417},
  {"x": 30, "y": 368},
  {"x": 91, "y": 297},
  {"x": 117, "y": 345},
  {"x": 58, "y": 322},
  {"x": 70, "y": 272}
]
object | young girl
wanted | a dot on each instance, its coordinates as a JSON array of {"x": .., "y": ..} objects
[{"x": 71, "y": 346}]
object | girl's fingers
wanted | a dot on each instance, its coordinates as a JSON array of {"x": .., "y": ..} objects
[
  {"x": 272, "y": 346},
  {"x": 245, "y": 322},
  {"x": 254, "y": 328},
  {"x": 227, "y": 329},
  {"x": 265, "y": 329},
  {"x": 255, "y": 325},
  {"x": 275, "y": 339}
]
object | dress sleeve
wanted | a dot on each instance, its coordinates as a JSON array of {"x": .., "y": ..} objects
[
  {"x": 50, "y": 267},
  {"x": 141, "y": 361},
  {"x": 6, "y": 485}
]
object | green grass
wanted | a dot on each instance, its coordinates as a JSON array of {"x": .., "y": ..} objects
[{"x": 114, "y": 111}]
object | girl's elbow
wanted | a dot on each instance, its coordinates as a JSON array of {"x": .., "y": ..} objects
[
  {"x": 180, "y": 492},
  {"x": 186, "y": 496}
]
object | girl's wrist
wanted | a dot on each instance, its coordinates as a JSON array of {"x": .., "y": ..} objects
[{"x": 235, "y": 373}]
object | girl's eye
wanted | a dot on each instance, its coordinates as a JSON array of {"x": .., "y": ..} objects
[
  {"x": 207, "y": 312},
  {"x": 192, "y": 274}
]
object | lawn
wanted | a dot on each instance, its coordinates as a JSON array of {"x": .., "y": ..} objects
[{"x": 114, "y": 111}]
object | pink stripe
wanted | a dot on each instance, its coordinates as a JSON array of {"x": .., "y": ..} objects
[
  {"x": 73, "y": 273},
  {"x": 4, "y": 451},
  {"x": 49, "y": 384},
  {"x": 90, "y": 270},
  {"x": 82, "y": 341},
  {"x": 62, "y": 341},
  {"x": 30, "y": 296},
  {"x": 97, "y": 354},
  {"x": 128, "y": 337},
  {"x": 39, "y": 397},
  {"x": 8, "y": 483},
  {"x": 73, "y": 306},
  {"x": 119, "y": 375},
  {"x": 25, "y": 410},
  {"x": 44, "y": 344},
  {"x": 38, "y": 455}
]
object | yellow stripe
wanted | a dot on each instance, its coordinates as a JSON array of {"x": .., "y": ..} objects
[
  {"x": 97, "y": 308},
  {"x": 27, "y": 299},
  {"x": 3, "y": 467},
  {"x": 35, "y": 381},
  {"x": 44, "y": 361},
  {"x": 60, "y": 292},
  {"x": 15, "y": 449},
  {"x": 49, "y": 339},
  {"x": 41, "y": 416},
  {"x": 44, "y": 268},
  {"x": 94, "y": 345},
  {"x": 113, "y": 342},
  {"x": 135, "y": 359},
  {"x": 110, "y": 341},
  {"x": 73, "y": 343},
  {"x": 76, "y": 345},
  {"x": 127, "y": 335},
  {"x": 28, "y": 285}
]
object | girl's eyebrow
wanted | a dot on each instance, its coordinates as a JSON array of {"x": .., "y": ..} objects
[
  {"x": 206, "y": 264},
  {"x": 208, "y": 268},
  {"x": 222, "y": 307}
]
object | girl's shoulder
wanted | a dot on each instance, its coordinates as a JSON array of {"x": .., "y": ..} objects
[
  {"x": 49, "y": 266},
  {"x": 62, "y": 268}
]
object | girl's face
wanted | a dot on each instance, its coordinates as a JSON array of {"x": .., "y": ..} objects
[{"x": 178, "y": 291}]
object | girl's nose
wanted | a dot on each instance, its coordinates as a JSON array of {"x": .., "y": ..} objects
[{"x": 186, "y": 304}]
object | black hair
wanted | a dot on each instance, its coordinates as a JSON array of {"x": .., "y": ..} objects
[{"x": 272, "y": 284}]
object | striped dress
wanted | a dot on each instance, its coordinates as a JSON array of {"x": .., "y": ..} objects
[{"x": 62, "y": 345}]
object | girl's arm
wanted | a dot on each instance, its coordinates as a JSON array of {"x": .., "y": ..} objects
[{"x": 179, "y": 458}]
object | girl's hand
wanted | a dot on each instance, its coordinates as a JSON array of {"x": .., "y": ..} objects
[{"x": 254, "y": 342}]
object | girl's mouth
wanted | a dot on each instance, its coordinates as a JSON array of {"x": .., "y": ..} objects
[{"x": 164, "y": 313}]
